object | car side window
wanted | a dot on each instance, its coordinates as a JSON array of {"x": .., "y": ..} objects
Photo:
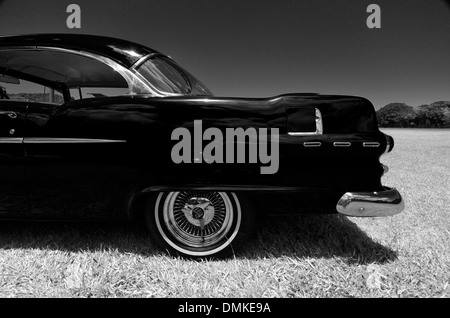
[
  {"x": 96, "y": 92},
  {"x": 21, "y": 90},
  {"x": 163, "y": 75},
  {"x": 79, "y": 75}
]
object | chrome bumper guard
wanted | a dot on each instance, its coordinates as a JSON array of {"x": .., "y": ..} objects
[{"x": 371, "y": 204}]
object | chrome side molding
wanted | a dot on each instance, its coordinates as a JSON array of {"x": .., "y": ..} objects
[
  {"x": 371, "y": 144},
  {"x": 57, "y": 141},
  {"x": 371, "y": 204},
  {"x": 342, "y": 144},
  {"x": 312, "y": 144},
  {"x": 11, "y": 140},
  {"x": 70, "y": 141}
]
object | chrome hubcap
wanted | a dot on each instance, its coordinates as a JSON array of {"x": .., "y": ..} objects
[{"x": 198, "y": 219}]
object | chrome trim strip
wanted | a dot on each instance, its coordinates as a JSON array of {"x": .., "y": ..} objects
[
  {"x": 299, "y": 134},
  {"x": 139, "y": 62},
  {"x": 70, "y": 141},
  {"x": 371, "y": 204},
  {"x": 221, "y": 187},
  {"x": 342, "y": 144},
  {"x": 371, "y": 144},
  {"x": 312, "y": 144},
  {"x": 144, "y": 59},
  {"x": 11, "y": 140},
  {"x": 319, "y": 127}
]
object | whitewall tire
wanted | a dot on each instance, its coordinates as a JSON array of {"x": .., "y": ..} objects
[{"x": 199, "y": 224}]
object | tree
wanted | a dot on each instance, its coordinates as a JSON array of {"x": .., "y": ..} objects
[{"x": 436, "y": 115}]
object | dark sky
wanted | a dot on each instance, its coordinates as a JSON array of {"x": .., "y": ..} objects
[{"x": 262, "y": 48}]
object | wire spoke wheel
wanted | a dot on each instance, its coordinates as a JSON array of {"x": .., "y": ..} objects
[
  {"x": 198, "y": 219},
  {"x": 197, "y": 223}
]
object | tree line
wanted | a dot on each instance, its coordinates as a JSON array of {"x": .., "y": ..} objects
[{"x": 400, "y": 115}]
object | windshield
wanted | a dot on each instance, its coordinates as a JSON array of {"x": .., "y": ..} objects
[
  {"x": 167, "y": 77},
  {"x": 164, "y": 76}
]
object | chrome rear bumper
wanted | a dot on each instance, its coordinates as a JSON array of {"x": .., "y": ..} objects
[{"x": 371, "y": 204}]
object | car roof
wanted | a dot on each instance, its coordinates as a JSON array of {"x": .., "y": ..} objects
[{"x": 124, "y": 52}]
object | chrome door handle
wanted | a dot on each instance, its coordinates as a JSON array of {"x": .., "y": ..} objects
[{"x": 12, "y": 115}]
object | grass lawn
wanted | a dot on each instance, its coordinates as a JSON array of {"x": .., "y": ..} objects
[{"x": 305, "y": 256}]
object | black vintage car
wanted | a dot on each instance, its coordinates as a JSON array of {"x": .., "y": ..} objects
[{"x": 99, "y": 128}]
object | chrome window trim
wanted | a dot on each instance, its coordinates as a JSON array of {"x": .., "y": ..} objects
[
  {"x": 147, "y": 57},
  {"x": 142, "y": 60},
  {"x": 319, "y": 127}
]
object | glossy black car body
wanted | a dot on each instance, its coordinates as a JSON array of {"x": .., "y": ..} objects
[{"x": 99, "y": 156}]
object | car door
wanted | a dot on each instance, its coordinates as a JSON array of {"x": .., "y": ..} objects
[
  {"x": 73, "y": 171},
  {"x": 12, "y": 186},
  {"x": 75, "y": 151}
]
